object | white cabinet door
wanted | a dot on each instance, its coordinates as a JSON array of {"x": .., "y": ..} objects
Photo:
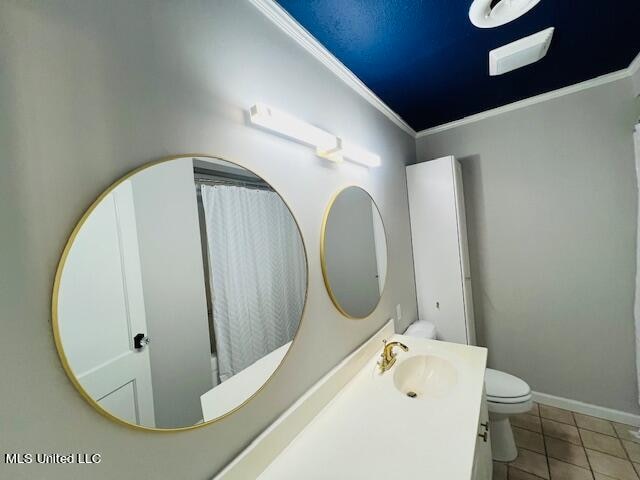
[
  {"x": 483, "y": 462},
  {"x": 463, "y": 247},
  {"x": 437, "y": 214}
]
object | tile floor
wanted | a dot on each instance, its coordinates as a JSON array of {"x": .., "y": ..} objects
[{"x": 556, "y": 444}]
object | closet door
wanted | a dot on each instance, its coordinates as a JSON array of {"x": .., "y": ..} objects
[{"x": 436, "y": 236}]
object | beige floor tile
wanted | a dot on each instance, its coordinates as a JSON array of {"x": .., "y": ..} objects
[
  {"x": 637, "y": 467},
  {"x": 599, "y": 476},
  {"x": 528, "y": 439},
  {"x": 623, "y": 432},
  {"x": 531, "y": 462},
  {"x": 517, "y": 474},
  {"x": 613, "y": 466},
  {"x": 602, "y": 443},
  {"x": 565, "y": 471},
  {"x": 562, "y": 431},
  {"x": 535, "y": 409},
  {"x": 567, "y": 452},
  {"x": 594, "y": 424},
  {"x": 633, "y": 449},
  {"x": 499, "y": 471},
  {"x": 529, "y": 422},
  {"x": 557, "y": 414}
]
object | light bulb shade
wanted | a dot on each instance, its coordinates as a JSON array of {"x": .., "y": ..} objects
[
  {"x": 292, "y": 127},
  {"x": 357, "y": 154}
]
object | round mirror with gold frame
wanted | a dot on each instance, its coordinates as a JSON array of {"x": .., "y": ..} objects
[
  {"x": 179, "y": 293},
  {"x": 353, "y": 252}
]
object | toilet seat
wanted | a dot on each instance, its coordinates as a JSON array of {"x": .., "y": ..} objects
[
  {"x": 506, "y": 394},
  {"x": 509, "y": 401},
  {"x": 505, "y": 388}
]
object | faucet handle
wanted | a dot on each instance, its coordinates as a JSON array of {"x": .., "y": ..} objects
[{"x": 381, "y": 363}]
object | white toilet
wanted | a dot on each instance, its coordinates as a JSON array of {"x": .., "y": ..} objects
[{"x": 506, "y": 395}]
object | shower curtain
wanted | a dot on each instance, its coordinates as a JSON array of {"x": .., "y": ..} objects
[{"x": 257, "y": 273}]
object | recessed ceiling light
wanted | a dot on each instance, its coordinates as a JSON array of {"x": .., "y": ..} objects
[{"x": 493, "y": 13}]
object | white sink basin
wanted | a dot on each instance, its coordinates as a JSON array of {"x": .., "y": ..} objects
[{"x": 424, "y": 376}]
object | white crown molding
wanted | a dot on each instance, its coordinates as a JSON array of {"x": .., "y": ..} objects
[
  {"x": 297, "y": 32},
  {"x": 635, "y": 65},
  {"x": 291, "y": 27},
  {"x": 594, "y": 82}
]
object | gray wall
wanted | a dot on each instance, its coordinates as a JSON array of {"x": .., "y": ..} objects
[
  {"x": 91, "y": 89},
  {"x": 173, "y": 282},
  {"x": 350, "y": 253},
  {"x": 550, "y": 192}
]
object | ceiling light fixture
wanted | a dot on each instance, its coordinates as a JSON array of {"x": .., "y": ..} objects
[
  {"x": 327, "y": 145},
  {"x": 492, "y": 13}
]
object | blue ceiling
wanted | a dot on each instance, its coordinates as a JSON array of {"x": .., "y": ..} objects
[{"x": 427, "y": 62}]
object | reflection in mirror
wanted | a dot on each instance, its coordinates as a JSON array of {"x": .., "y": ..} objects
[
  {"x": 179, "y": 293},
  {"x": 354, "y": 253}
]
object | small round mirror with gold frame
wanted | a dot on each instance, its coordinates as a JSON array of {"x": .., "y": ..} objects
[
  {"x": 354, "y": 252},
  {"x": 179, "y": 293}
]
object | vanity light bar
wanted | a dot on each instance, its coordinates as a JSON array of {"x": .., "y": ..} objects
[
  {"x": 292, "y": 127},
  {"x": 357, "y": 154},
  {"x": 327, "y": 146},
  {"x": 334, "y": 154}
]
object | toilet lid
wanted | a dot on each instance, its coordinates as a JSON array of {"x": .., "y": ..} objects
[{"x": 501, "y": 385}]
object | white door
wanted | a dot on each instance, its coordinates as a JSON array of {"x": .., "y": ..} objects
[
  {"x": 101, "y": 302},
  {"x": 434, "y": 207}
]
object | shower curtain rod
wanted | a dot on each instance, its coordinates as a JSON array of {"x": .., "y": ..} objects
[{"x": 232, "y": 183}]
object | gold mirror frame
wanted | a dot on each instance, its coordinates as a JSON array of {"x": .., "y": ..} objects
[
  {"x": 323, "y": 255},
  {"x": 56, "y": 291}
]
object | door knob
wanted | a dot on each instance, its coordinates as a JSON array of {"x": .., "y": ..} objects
[{"x": 140, "y": 341}]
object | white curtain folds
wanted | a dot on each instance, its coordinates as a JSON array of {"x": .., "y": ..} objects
[{"x": 258, "y": 273}]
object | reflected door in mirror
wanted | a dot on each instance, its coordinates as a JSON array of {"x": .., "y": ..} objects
[{"x": 180, "y": 293}]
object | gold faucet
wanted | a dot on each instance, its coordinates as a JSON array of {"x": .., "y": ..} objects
[{"x": 388, "y": 357}]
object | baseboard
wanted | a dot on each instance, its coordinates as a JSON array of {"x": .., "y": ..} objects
[{"x": 587, "y": 409}]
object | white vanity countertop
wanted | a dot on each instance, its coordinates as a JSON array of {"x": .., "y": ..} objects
[
  {"x": 371, "y": 430},
  {"x": 228, "y": 395}
]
